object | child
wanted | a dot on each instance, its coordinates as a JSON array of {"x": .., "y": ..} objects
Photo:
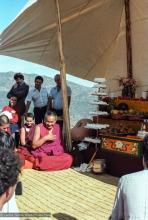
[
  {"x": 14, "y": 119},
  {"x": 27, "y": 130},
  {"x": 4, "y": 123}
]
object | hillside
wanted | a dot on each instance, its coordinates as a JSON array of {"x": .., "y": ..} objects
[{"x": 80, "y": 103}]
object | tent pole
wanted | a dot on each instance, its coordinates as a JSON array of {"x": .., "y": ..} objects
[
  {"x": 63, "y": 79},
  {"x": 128, "y": 39}
]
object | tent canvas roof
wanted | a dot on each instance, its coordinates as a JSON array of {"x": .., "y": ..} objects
[{"x": 93, "y": 38}]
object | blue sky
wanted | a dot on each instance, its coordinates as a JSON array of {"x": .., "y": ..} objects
[{"x": 8, "y": 11}]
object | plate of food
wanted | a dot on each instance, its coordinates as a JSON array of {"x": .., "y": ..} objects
[
  {"x": 135, "y": 117},
  {"x": 123, "y": 134},
  {"x": 122, "y": 131}
]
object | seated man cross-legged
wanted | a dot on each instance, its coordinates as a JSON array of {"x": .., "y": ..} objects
[{"x": 48, "y": 146}]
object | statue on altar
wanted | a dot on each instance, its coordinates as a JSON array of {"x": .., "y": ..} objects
[{"x": 128, "y": 87}]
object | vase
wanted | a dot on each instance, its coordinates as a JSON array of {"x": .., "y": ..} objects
[{"x": 128, "y": 91}]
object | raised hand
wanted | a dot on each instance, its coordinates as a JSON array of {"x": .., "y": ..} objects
[{"x": 50, "y": 137}]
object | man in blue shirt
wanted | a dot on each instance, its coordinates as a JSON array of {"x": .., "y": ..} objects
[{"x": 55, "y": 102}]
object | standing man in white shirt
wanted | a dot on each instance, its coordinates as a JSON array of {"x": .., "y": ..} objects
[
  {"x": 39, "y": 96},
  {"x": 55, "y": 99}
]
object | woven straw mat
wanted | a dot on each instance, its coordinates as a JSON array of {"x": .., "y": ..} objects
[{"x": 67, "y": 195}]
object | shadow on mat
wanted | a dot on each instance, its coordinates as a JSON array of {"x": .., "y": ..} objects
[
  {"x": 105, "y": 178},
  {"x": 63, "y": 216}
]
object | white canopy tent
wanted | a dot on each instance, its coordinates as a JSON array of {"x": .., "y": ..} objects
[
  {"x": 94, "y": 38},
  {"x": 93, "y": 35}
]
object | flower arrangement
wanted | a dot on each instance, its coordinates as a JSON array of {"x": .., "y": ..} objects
[
  {"x": 125, "y": 81},
  {"x": 129, "y": 87}
]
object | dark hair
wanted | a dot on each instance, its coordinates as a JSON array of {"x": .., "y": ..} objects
[
  {"x": 30, "y": 115},
  {"x": 39, "y": 77},
  {"x": 6, "y": 141},
  {"x": 10, "y": 166},
  {"x": 13, "y": 96},
  {"x": 18, "y": 75},
  {"x": 56, "y": 76},
  {"x": 50, "y": 113},
  {"x": 4, "y": 120},
  {"x": 145, "y": 150}
]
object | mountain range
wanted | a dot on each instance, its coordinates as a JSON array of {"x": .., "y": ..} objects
[{"x": 80, "y": 101}]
